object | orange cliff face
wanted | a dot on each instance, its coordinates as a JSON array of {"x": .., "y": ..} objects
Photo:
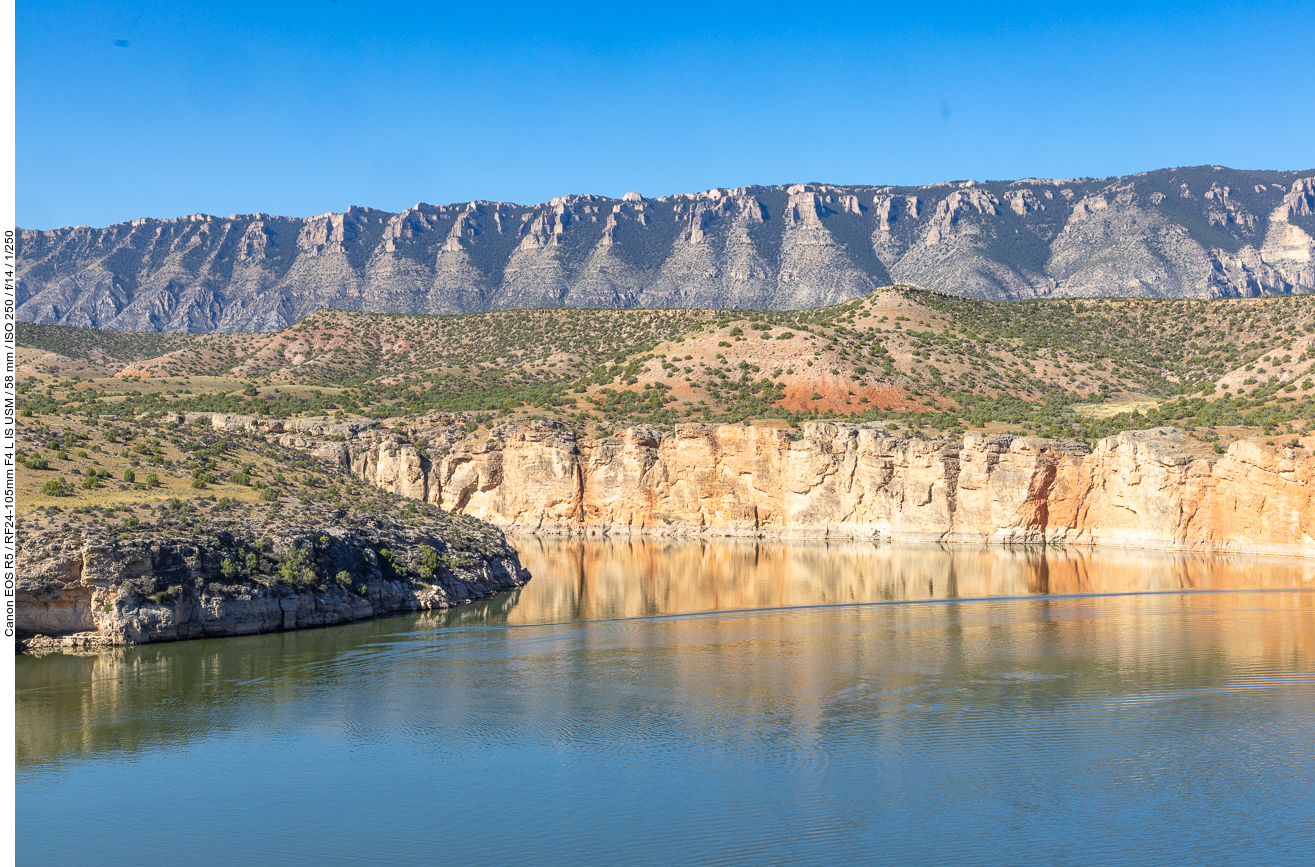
[
  {"x": 1149, "y": 489},
  {"x": 1137, "y": 489}
]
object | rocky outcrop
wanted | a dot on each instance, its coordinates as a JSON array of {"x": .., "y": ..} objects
[
  {"x": 82, "y": 586},
  {"x": 1198, "y": 232},
  {"x": 1152, "y": 489}
]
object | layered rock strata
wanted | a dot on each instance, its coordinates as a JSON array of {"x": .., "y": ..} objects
[
  {"x": 87, "y": 587},
  {"x": 1150, "y": 489},
  {"x": 1198, "y": 232}
]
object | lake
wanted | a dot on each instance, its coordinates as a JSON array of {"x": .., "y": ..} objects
[{"x": 686, "y": 702}]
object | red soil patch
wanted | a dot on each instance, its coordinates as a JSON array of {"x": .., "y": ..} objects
[{"x": 847, "y": 398}]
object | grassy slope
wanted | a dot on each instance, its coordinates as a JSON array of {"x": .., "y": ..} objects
[
  {"x": 176, "y": 455},
  {"x": 1079, "y": 369}
]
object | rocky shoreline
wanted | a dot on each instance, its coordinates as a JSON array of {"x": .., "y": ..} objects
[{"x": 85, "y": 586}]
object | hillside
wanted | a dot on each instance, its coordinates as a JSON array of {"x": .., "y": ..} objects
[
  {"x": 1078, "y": 369},
  {"x": 161, "y": 529},
  {"x": 1181, "y": 233}
]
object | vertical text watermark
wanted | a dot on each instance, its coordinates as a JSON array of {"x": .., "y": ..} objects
[{"x": 8, "y": 520}]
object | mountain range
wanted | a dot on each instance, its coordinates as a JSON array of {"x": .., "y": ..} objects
[{"x": 1184, "y": 233}]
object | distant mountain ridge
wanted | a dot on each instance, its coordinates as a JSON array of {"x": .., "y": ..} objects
[{"x": 1187, "y": 233}]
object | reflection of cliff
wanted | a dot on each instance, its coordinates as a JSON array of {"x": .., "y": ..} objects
[
  {"x": 420, "y": 681},
  {"x": 163, "y": 695},
  {"x": 1151, "y": 489},
  {"x": 595, "y": 579}
]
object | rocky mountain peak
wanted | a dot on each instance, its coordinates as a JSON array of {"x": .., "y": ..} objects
[{"x": 1193, "y": 232}]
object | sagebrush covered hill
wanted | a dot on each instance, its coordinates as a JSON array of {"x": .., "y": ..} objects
[{"x": 1077, "y": 368}]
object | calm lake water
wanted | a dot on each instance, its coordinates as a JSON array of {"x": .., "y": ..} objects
[{"x": 711, "y": 703}]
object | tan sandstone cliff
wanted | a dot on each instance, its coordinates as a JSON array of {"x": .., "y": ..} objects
[{"x": 1152, "y": 489}]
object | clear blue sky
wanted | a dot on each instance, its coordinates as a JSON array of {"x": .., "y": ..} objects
[{"x": 303, "y": 107}]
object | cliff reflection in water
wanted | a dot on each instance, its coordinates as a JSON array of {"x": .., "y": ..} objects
[
  {"x": 73, "y": 708},
  {"x": 593, "y": 579}
]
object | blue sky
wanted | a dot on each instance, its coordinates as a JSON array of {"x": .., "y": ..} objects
[{"x": 304, "y": 107}]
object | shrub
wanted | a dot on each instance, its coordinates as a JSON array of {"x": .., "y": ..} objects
[
  {"x": 57, "y": 488},
  {"x": 428, "y": 562},
  {"x": 297, "y": 567},
  {"x": 227, "y": 568},
  {"x": 129, "y": 476},
  {"x": 91, "y": 480},
  {"x": 198, "y": 484},
  {"x": 270, "y": 495},
  {"x": 152, "y": 480},
  {"x": 36, "y": 462},
  {"x": 239, "y": 478}
]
